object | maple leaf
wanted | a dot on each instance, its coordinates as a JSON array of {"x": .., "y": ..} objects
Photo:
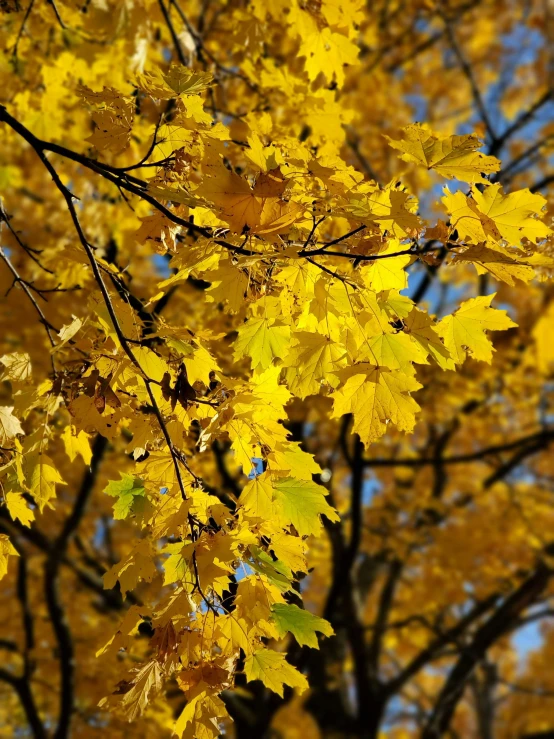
[
  {"x": 158, "y": 229},
  {"x": 262, "y": 340},
  {"x": 10, "y": 426},
  {"x": 18, "y": 508},
  {"x": 229, "y": 285},
  {"x": 137, "y": 692},
  {"x": 267, "y": 388},
  {"x": 392, "y": 210},
  {"x": 274, "y": 671},
  {"x": 515, "y": 214},
  {"x": 395, "y": 351},
  {"x": 137, "y": 565},
  {"x": 18, "y": 366},
  {"x": 235, "y": 630},
  {"x": 257, "y": 497},
  {"x": 86, "y": 417},
  {"x": 201, "y": 716},
  {"x": 77, "y": 444},
  {"x": 42, "y": 476},
  {"x": 178, "y": 80},
  {"x": 126, "y": 491},
  {"x": 498, "y": 262},
  {"x": 113, "y": 122},
  {"x": 464, "y": 330},
  {"x": 301, "y": 503},
  {"x": 492, "y": 216},
  {"x": 470, "y": 223},
  {"x": 326, "y": 52},
  {"x": 388, "y": 273},
  {"x": 158, "y": 471},
  {"x": 455, "y": 157},
  {"x": 277, "y": 573},
  {"x": 312, "y": 360},
  {"x": 261, "y": 210},
  {"x": 265, "y": 158},
  {"x": 176, "y": 565},
  {"x": 376, "y": 397},
  {"x": 423, "y": 331},
  {"x": 68, "y": 331},
  {"x": 302, "y": 624},
  {"x": 289, "y": 549}
]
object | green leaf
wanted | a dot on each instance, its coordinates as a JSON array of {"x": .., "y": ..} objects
[
  {"x": 302, "y": 624},
  {"x": 276, "y": 572},
  {"x": 125, "y": 490},
  {"x": 301, "y": 502}
]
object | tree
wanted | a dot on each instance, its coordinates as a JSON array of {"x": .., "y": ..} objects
[{"x": 277, "y": 360}]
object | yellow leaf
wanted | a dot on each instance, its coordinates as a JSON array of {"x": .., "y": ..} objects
[
  {"x": 243, "y": 443},
  {"x": 235, "y": 630},
  {"x": 202, "y": 714},
  {"x": 389, "y": 273},
  {"x": 395, "y": 351},
  {"x": 137, "y": 565},
  {"x": 18, "y": 508},
  {"x": 144, "y": 685},
  {"x": 158, "y": 229},
  {"x": 467, "y": 219},
  {"x": 41, "y": 477},
  {"x": 179, "y": 80},
  {"x": 10, "y": 426},
  {"x": 327, "y": 52},
  {"x": 464, "y": 330},
  {"x": 69, "y": 331},
  {"x": 265, "y": 158},
  {"x": 299, "y": 277},
  {"x": 113, "y": 127},
  {"x": 151, "y": 364},
  {"x": 85, "y": 416},
  {"x": 312, "y": 360},
  {"x": 498, "y": 262},
  {"x": 255, "y": 597},
  {"x": 274, "y": 671},
  {"x": 455, "y": 157},
  {"x": 77, "y": 444},
  {"x": 516, "y": 215},
  {"x": 6, "y": 550},
  {"x": 257, "y": 497},
  {"x": 261, "y": 210},
  {"x": 158, "y": 471},
  {"x": 267, "y": 388},
  {"x": 228, "y": 285},
  {"x": 18, "y": 367},
  {"x": 394, "y": 211},
  {"x": 376, "y": 397},
  {"x": 290, "y": 550},
  {"x": 198, "y": 361},
  {"x": 262, "y": 340},
  {"x": 290, "y": 458},
  {"x": 422, "y": 329}
]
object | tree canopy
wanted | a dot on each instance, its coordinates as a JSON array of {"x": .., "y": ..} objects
[{"x": 277, "y": 364}]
